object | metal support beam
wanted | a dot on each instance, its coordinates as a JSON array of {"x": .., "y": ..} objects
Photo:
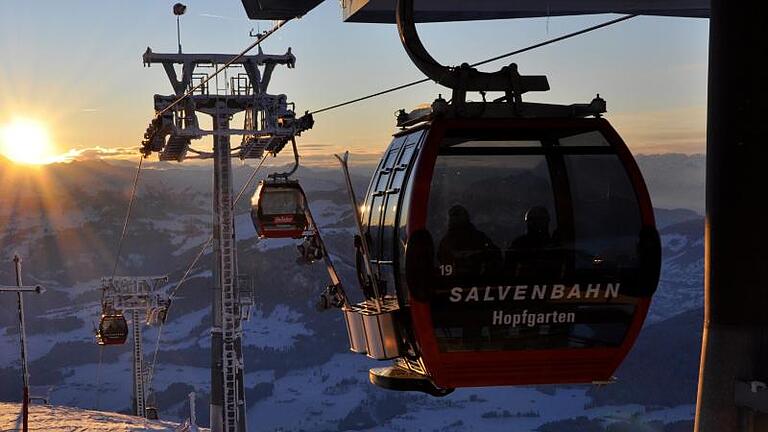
[
  {"x": 227, "y": 387},
  {"x": 735, "y": 341}
]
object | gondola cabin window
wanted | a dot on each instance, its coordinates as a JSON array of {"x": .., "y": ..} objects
[
  {"x": 282, "y": 202},
  {"x": 606, "y": 215},
  {"x": 533, "y": 241}
]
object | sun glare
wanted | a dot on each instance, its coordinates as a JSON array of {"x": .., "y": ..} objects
[{"x": 26, "y": 141}]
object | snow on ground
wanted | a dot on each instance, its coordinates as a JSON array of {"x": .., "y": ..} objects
[
  {"x": 78, "y": 288},
  {"x": 327, "y": 212},
  {"x": 186, "y": 231},
  {"x": 176, "y": 331},
  {"x": 317, "y": 398},
  {"x": 278, "y": 330},
  {"x": 167, "y": 374},
  {"x": 40, "y": 344},
  {"x": 109, "y": 386},
  {"x": 187, "y": 243},
  {"x": 244, "y": 229},
  {"x": 61, "y": 419},
  {"x": 71, "y": 218},
  {"x": 674, "y": 242},
  {"x": 521, "y": 410},
  {"x": 321, "y": 397}
]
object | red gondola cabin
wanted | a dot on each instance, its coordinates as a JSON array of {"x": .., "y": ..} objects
[
  {"x": 113, "y": 330},
  {"x": 519, "y": 250},
  {"x": 278, "y": 209}
]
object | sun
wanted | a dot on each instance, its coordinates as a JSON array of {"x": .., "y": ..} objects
[{"x": 26, "y": 141}]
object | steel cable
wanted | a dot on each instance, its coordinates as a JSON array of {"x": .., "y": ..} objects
[
  {"x": 492, "y": 59},
  {"x": 120, "y": 242}
]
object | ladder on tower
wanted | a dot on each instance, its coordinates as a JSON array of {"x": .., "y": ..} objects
[
  {"x": 138, "y": 370},
  {"x": 231, "y": 324}
]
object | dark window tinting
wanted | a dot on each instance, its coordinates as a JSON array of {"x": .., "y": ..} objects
[
  {"x": 495, "y": 227},
  {"x": 381, "y": 183},
  {"x": 375, "y": 220},
  {"x": 389, "y": 161},
  {"x": 606, "y": 214},
  {"x": 477, "y": 210},
  {"x": 388, "y": 226},
  {"x": 584, "y": 139}
]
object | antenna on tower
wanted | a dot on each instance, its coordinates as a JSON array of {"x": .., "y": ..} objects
[{"x": 178, "y": 10}]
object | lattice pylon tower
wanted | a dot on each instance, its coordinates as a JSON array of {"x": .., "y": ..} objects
[{"x": 269, "y": 125}]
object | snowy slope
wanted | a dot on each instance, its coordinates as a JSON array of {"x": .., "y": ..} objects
[
  {"x": 67, "y": 419},
  {"x": 681, "y": 287}
]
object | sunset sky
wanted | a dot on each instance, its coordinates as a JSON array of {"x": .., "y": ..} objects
[{"x": 76, "y": 68}]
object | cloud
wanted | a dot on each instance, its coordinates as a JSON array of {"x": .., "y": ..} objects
[{"x": 98, "y": 152}]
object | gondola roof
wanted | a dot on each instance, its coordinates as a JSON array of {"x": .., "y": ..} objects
[{"x": 383, "y": 11}]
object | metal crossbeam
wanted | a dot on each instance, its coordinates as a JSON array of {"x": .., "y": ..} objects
[
  {"x": 142, "y": 293},
  {"x": 27, "y": 288},
  {"x": 260, "y": 59},
  {"x": 269, "y": 123}
]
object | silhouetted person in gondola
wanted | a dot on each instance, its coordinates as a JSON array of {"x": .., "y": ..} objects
[
  {"x": 468, "y": 250},
  {"x": 537, "y": 230},
  {"x": 533, "y": 254}
]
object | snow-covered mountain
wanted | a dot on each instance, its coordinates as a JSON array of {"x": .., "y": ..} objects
[{"x": 66, "y": 219}]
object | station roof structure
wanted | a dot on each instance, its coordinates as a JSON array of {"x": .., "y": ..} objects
[{"x": 383, "y": 11}]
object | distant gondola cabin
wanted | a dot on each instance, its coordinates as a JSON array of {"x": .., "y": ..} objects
[
  {"x": 278, "y": 209},
  {"x": 113, "y": 330}
]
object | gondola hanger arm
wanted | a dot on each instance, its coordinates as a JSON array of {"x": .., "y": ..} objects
[
  {"x": 462, "y": 78},
  {"x": 285, "y": 175}
]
